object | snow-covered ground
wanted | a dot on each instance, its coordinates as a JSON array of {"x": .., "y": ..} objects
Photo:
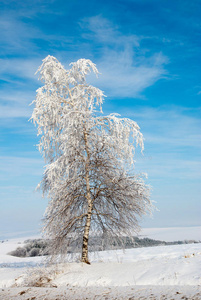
[
  {"x": 162, "y": 265},
  {"x": 135, "y": 271}
]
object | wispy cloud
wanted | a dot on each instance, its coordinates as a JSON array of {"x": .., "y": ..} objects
[
  {"x": 127, "y": 69},
  {"x": 122, "y": 77},
  {"x": 14, "y": 112},
  {"x": 16, "y": 103},
  {"x": 172, "y": 143},
  {"x": 20, "y": 68},
  {"x": 171, "y": 125},
  {"x": 105, "y": 32},
  {"x": 13, "y": 167},
  {"x": 16, "y": 35}
]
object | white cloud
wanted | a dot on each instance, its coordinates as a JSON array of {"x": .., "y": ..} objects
[
  {"x": 172, "y": 143},
  {"x": 172, "y": 126},
  {"x": 14, "y": 167},
  {"x": 14, "y": 112},
  {"x": 122, "y": 78},
  {"x": 106, "y": 32},
  {"x": 126, "y": 70},
  {"x": 17, "y": 35},
  {"x": 19, "y": 67},
  {"x": 16, "y": 103}
]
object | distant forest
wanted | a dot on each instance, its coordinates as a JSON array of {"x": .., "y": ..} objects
[{"x": 39, "y": 247}]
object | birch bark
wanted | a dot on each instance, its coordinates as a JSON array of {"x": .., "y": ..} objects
[{"x": 90, "y": 204}]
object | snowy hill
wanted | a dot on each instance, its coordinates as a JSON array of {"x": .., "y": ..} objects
[{"x": 176, "y": 265}]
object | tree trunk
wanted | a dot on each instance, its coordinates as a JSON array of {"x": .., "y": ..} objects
[
  {"x": 86, "y": 237},
  {"x": 90, "y": 205}
]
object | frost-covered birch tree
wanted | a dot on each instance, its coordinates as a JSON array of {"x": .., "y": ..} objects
[{"x": 89, "y": 176}]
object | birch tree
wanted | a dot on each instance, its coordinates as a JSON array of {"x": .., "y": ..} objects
[{"x": 89, "y": 174}]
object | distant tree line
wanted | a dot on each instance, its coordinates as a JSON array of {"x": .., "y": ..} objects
[
  {"x": 40, "y": 247},
  {"x": 36, "y": 247}
]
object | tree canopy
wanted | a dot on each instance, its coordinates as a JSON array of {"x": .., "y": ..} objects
[{"x": 89, "y": 177}]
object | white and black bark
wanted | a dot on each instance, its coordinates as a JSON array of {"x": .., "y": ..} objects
[{"x": 89, "y": 201}]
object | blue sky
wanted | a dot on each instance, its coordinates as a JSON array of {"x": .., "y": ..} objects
[{"x": 148, "y": 54}]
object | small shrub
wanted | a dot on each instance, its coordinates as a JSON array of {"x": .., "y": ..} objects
[
  {"x": 34, "y": 252},
  {"x": 19, "y": 252},
  {"x": 37, "y": 277}
]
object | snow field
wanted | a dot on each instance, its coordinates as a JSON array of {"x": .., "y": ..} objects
[
  {"x": 166, "y": 265},
  {"x": 162, "y": 272},
  {"x": 162, "y": 265}
]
